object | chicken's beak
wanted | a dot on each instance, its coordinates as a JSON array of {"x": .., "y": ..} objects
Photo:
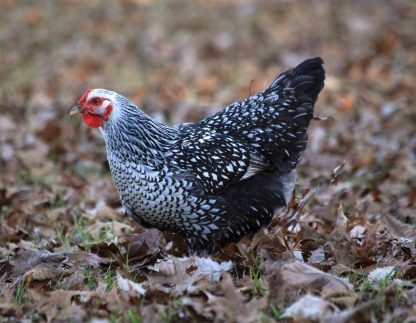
[{"x": 75, "y": 110}]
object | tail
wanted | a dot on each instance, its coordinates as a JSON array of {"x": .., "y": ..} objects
[
  {"x": 307, "y": 79},
  {"x": 294, "y": 93}
]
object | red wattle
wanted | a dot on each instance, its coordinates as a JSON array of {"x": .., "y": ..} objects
[{"x": 92, "y": 120}]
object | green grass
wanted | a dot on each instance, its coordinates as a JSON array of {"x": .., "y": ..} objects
[
  {"x": 61, "y": 237},
  {"x": 90, "y": 277},
  {"x": 109, "y": 280},
  {"x": 256, "y": 276},
  {"x": 133, "y": 317},
  {"x": 20, "y": 290},
  {"x": 380, "y": 293},
  {"x": 277, "y": 311},
  {"x": 114, "y": 317},
  {"x": 83, "y": 170},
  {"x": 168, "y": 313},
  {"x": 79, "y": 233}
]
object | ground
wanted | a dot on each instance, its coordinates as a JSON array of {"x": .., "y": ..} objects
[{"x": 344, "y": 250}]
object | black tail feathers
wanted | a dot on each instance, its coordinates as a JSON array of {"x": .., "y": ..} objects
[{"x": 307, "y": 78}]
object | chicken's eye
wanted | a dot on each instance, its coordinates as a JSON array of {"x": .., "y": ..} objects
[{"x": 95, "y": 100}]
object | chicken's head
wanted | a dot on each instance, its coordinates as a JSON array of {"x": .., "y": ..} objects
[{"x": 96, "y": 106}]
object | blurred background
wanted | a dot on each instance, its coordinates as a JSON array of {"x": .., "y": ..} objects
[{"x": 181, "y": 61}]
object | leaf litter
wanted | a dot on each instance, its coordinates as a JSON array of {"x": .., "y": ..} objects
[{"x": 343, "y": 251}]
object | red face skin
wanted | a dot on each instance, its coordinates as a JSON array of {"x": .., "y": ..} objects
[{"x": 94, "y": 113}]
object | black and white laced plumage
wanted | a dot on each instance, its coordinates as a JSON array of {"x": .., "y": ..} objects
[{"x": 215, "y": 180}]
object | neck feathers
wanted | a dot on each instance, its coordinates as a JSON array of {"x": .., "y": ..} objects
[{"x": 134, "y": 135}]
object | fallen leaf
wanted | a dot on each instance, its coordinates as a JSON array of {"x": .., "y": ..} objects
[
  {"x": 191, "y": 266},
  {"x": 302, "y": 275},
  {"x": 358, "y": 314},
  {"x": 41, "y": 263},
  {"x": 399, "y": 229},
  {"x": 296, "y": 278},
  {"x": 130, "y": 286}
]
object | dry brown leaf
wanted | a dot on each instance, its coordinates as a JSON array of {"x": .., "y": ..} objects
[
  {"x": 399, "y": 229},
  {"x": 42, "y": 263},
  {"x": 190, "y": 274},
  {"x": 59, "y": 305},
  {"x": 305, "y": 276},
  {"x": 134, "y": 289},
  {"x": 144, "y": 243},
  {"x": 86, "y": 258},
  {"x": 358, "y": 314},
  {"x": 232, "y": 296},
  {"x": 340, "y": 229},
  {"x": 38, "y": 264}
]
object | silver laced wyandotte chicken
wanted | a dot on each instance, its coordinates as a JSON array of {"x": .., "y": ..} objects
[{"x": 215, "y": 180}]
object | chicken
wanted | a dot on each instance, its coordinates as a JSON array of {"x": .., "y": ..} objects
[{"x": 215, "y": 180}]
